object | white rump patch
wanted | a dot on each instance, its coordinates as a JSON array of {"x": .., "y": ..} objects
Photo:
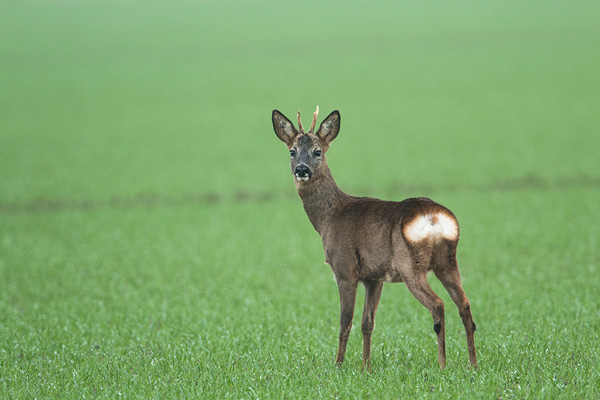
[{"x": 434, "y": 226}]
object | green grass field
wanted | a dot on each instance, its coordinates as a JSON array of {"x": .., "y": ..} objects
[{"x": 152, "y": 244}]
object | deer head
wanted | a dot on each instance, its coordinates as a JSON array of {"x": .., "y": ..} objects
[{"x": 307, "y": 150}]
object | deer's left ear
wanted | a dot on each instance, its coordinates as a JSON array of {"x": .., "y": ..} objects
[
  {"x": 330, "y": 127},
  {"x": 284, "y": 129}
]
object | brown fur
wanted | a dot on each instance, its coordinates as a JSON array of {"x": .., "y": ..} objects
[{"x": 365, "y": 241}]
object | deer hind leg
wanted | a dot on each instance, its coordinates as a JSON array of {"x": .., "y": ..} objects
[
  {"x": 372, "y": 295},
  {"x": 420, "y": 288},
  {"x": 448, "y": 273},
  {"x": 347, "y": 300}
]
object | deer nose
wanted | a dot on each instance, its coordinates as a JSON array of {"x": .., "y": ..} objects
[{"x": 302, "y": 170}]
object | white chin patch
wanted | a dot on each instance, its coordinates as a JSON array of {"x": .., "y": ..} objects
[{"x": 302, "y": 178}]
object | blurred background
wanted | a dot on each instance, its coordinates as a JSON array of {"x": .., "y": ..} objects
[{"x": 103, "y": 99}]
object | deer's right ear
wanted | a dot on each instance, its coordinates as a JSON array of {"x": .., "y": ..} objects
[{"x": 284, "y": 129}]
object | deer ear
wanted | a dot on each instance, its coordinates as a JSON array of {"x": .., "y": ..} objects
[
  {"x": 330, "y": 127},
  {"x": 284, "y": 129}
]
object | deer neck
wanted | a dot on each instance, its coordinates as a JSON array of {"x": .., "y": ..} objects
[{"x": 321, "y": 198}]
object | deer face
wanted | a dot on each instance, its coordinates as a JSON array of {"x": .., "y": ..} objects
[
  {"x": 307, "y": 150},
  {"x": 306, "y": 156}
]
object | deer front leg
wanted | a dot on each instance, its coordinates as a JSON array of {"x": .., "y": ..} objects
[
  {"x": 372, "y": 295},
  {"x": 347, "y": 300}
]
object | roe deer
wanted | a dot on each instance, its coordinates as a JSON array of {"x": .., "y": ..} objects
[{"x": 373, "y": 241}]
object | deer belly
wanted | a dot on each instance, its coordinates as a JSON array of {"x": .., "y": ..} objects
[{"x": 392, "y": 277}]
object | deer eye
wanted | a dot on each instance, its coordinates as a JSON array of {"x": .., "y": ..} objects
[
  {"x": 293, "y": 152},
  {"x": 317, "y": 153}
]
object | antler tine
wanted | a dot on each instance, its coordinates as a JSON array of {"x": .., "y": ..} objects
[
  {"x": 314, "y": 121},
  {"x": 300, "y": 123}
]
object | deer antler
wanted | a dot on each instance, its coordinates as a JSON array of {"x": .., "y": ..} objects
[
  {"x": 300, "y": 123},
  {"x": 314, "y": 121}
]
